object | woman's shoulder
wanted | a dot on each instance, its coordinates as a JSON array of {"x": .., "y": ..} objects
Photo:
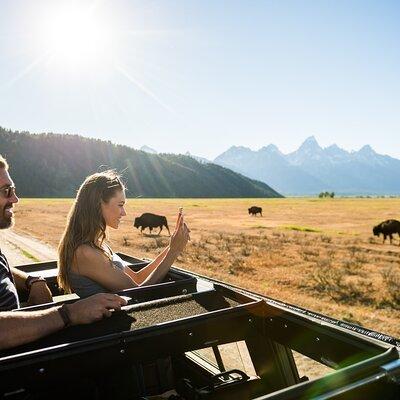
[
  {"x": 86, "y": 252},
  {"x": 88, "y": 260}
]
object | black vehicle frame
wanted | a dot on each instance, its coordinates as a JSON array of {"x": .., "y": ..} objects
[{"x": 157, "y": 343}]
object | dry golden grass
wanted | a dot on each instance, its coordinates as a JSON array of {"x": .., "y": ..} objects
[{"x": 316, "y": 253}]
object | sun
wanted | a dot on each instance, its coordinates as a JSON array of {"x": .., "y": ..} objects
[
  {"x": 76, "y": 35},
  {"x": 90, "y": 43}
]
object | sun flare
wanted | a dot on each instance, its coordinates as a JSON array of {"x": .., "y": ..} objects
[
  {"x": 90, "y": 43},
  {"x": 75, "y": 35}
]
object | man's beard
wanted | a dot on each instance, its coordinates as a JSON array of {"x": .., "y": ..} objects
[{"x": 6, "y": 222}]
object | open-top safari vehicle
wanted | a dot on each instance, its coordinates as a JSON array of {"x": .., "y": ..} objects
[{"x": 201, "y": 339}]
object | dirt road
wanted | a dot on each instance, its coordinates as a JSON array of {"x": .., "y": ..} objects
[{"x": 22, "y": 249}]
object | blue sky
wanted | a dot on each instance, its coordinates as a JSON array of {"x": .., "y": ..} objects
[{"x": 202, "y": 75}]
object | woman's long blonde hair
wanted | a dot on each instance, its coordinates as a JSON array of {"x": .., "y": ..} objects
[{"x": 85, "y": 222}]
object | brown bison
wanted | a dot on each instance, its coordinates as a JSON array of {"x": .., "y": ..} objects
[
  {"x": 255, "y": 210},
  {"x": 387, "y": 228},
  {"x": 148, "y": 220}
]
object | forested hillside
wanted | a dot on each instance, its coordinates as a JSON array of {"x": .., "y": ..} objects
[{"x": 52, "y": 165}]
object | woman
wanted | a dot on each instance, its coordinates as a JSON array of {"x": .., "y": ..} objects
[{"x": 87, "y": 265}]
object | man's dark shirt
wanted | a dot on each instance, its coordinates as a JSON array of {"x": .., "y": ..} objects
[{"x": 8, "y": 291}]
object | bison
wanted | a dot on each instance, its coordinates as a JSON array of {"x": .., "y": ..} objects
[
  {"x": 387, "y": 228},
  {"x": 255, "y": 210},
  {"x": 148, "y": 220}
]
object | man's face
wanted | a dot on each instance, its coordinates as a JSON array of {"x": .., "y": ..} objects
[{"x": 7, "y": 199}]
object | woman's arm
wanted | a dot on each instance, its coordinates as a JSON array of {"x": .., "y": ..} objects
[
  {"x": 158, "y": 273},
  {"x": 141, "y": 275},
  {"x": 157, "y": 269},
  {"x": 94, "y": 264}
]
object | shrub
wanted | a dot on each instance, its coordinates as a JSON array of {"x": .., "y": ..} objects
[
  {"x": 391, "y": 277},
  {"x": 326, "y": 239},
  {"x": 326, "y": 194},
  {"x": 334, "y": 283}
]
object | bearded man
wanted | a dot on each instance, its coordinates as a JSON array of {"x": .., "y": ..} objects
[
  {"x": 21, "y": 327},
  {"x": 12, "y": 279}
]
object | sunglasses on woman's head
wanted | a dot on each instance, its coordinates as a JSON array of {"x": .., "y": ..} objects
[
  {"x": 7, "y": 191},
  {"x": 116, "y": 182}
]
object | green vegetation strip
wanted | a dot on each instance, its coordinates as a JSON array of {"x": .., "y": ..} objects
[
  {"x": 29, "y": 255},
  {"x": 301, "y": 228}
]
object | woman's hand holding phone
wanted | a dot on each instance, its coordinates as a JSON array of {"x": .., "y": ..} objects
[{"x": 181, "y": 236}]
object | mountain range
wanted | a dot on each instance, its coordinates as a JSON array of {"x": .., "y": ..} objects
[
  {"x": 150, "y": 150},
  {"x": 312, "y": 169},
  {"x": 54, "y": 165}
]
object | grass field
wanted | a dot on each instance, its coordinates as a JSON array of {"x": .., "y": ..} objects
[{"x": 316, "y": 253}]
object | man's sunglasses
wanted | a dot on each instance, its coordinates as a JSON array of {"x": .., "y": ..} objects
[{"x": 8, "y": 191}]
